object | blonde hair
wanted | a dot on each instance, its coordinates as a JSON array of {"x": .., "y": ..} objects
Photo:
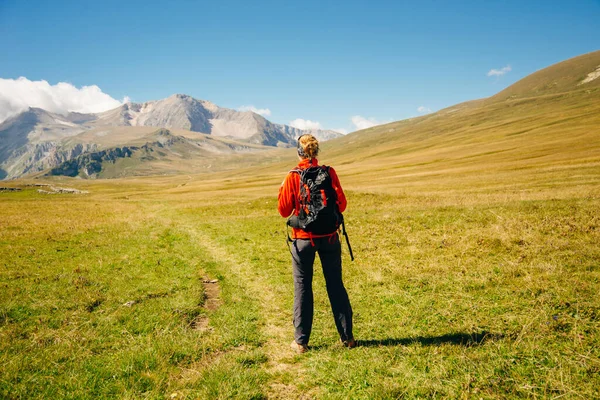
[{"x": 310, "y": 145}]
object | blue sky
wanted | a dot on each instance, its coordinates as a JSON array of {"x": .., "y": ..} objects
[{"x": 322, "y": 61}]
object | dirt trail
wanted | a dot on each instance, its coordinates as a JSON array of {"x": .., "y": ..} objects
[{"x": 276, "y": 328}]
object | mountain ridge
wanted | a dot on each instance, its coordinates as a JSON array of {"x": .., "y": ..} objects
[
  {"x": 564, "y": 76},
  {"x": 181, "y": 111}
]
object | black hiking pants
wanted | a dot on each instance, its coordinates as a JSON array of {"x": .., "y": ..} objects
[{"x": 303, "y": 258}]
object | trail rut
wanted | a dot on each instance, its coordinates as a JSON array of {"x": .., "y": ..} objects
[{"x": 276, "y": 327}]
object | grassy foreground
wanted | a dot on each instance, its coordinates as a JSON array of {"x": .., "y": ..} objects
[{"x": 461, "y": 289}]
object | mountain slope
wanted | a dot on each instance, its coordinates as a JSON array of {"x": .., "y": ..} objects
[
  {"x": 556, "y": 127},
  {"x": 569, "y": 75},
  {"x": 28, "y": 142},
  {"x": 158, "y": 152},
  {"x": 37, "y": 125}
]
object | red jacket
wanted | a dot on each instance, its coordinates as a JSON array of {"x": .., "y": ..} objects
[{"x": 289, "y": 194}]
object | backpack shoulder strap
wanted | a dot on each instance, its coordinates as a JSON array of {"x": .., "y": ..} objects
[{"x": 298, "y": 171}]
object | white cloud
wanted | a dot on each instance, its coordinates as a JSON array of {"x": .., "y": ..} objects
[
  {"x": 424, "y": 110},
  {"x": 17, "y": 95},
  {"x": 265, "y": 112},
  {"x": 499, "y": 72},
  {"x": 305, "y": 124},
  {"x": 364, "y": 123},
  {"x": 341, "y": 130}
]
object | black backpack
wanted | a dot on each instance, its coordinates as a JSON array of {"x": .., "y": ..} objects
[{"x": 319, "y": 213}]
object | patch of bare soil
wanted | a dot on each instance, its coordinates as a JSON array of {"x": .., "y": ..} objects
[
  {"x": 212, "y": 301},
  {"x": 212, "y": 298}
]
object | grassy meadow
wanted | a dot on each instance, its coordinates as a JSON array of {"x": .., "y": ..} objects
[{"x": 462, "y": 288}]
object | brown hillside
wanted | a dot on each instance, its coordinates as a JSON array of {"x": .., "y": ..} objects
[{"x": 562, "y": 77}]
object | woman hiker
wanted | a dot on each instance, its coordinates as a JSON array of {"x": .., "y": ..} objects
[{"x": 315, "y": 225}]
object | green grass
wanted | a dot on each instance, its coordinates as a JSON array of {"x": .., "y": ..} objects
[
  {"x": 492, "y": 295},
  {"x": 487, "y": 300},
  {"x": 68, "y": 268}
]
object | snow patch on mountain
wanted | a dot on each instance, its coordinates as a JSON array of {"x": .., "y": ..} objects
[{"x": 591, "y": 76}]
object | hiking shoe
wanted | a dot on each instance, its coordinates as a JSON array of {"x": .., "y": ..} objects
[
  {"x": 350, "y": 343},
  {"x": 299, "y": 348}
]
